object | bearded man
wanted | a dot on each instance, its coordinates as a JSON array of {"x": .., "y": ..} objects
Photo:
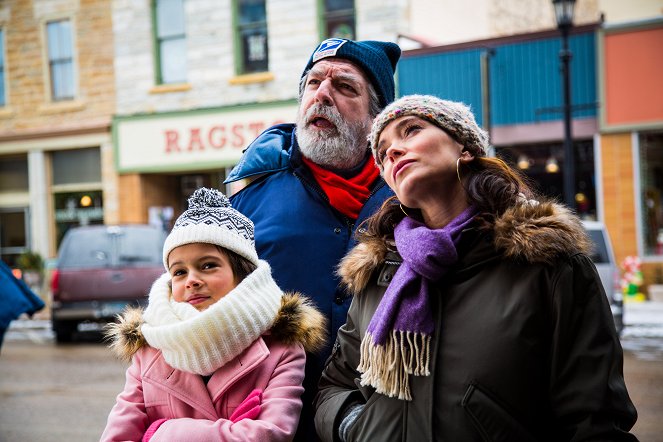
[{"x": 314, "y": 183}]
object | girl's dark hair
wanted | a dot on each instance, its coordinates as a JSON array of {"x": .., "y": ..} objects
[
  {"x": 491, "y": 185},
  {"x": 240, "y": 266}
]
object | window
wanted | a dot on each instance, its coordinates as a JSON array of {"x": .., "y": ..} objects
[
  {"x": 651, "y": 183},
  {"x": 13, "y": 219},
  {"x": 77, "y": 195},
  {"x": 252, "y": 32},
  {"x": 77, "y": 209},
  {"x": 14, "y": 174},
  {"x": 3, "y": 100},
  {"x": 543, "y": 166},
  {"x": 76, "y": 166},
  {"x": 339, "y": 19},
  {"x": 60, "y": 59},
  {"x": 170, "y": 41},
  {"x": 13, "y": 234}
]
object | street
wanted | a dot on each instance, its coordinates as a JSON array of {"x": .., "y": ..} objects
[
  {"x": 57, "y": 393},
  {"x": 642, "y": 340}
]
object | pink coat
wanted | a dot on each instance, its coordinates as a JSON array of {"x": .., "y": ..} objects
[{"x": 199, "y": 412}]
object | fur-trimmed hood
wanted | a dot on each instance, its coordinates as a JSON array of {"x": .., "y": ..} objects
[
  {"x": 530, "y": 231},
  {"x": 297, "y": 321}
]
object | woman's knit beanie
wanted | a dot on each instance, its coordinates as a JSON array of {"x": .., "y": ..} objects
[
  {"x": 455, "y": 118},
  {"x": 211, "y": 219}
]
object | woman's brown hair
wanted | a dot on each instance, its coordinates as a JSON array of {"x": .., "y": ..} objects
[{"x": 491, "y": 185}]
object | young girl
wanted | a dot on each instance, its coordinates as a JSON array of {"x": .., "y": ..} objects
[{"x": 219, "y": 352}]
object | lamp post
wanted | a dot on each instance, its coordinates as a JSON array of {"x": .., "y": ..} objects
[{"x": 564, "y": 16}]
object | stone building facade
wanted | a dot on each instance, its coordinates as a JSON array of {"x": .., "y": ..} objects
[{"x": 55, "y": 144}]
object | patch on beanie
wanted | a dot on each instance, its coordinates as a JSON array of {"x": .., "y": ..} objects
[
  {"x": 212, "y": 208},
  {"x": 328, "y": 48}
]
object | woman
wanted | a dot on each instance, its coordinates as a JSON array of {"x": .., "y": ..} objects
[{"x": 477, "y": 314}]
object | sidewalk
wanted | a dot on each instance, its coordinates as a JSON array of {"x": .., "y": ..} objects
[
  {"x": 643, "y": 313},
  {"x": 643, "y": 319},
  {"x": 35, "y": 330}
]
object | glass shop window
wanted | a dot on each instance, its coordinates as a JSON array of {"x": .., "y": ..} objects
[
  {"x": 77, "y": 195},
  {"x": 13, "y": 234},
  {"x": 651, "y": 185},
  {"x": 77, "y": 166},
  {"x": 77, "y": 209},
  {"x": 543, "y": 165},
  {"x": 14, "y": 174}
]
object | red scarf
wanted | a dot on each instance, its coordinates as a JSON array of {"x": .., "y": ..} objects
[{"x": 347, "y": 195}]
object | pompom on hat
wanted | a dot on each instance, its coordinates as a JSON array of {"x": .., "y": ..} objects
[
  {"x": 377, "y": 59},
  {"x": 455, "y": 118},
  {"x": 211, "y": 219}
]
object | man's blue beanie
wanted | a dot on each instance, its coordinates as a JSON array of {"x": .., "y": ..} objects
[{"x": 376, "y": 58}]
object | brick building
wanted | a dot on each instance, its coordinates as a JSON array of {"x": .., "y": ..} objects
[{"x": 56, "y": 103}]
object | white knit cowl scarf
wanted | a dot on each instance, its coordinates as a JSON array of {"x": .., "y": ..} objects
[{"x": 202, "y": 341}]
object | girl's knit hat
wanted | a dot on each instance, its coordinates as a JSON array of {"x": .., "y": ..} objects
[
  {"x": 455, "y": 118},
  {"x": 211, "y": 219}
]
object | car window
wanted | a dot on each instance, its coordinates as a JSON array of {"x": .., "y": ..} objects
[
  {"x": 600, "y": 251},
  {"x": 112, "y": 246},
  {"x": 85, "y": 249},
  {"x": 140, "y": 246}
]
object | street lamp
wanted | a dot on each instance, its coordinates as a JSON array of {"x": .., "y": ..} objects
[{"x": 564, "y": 16}]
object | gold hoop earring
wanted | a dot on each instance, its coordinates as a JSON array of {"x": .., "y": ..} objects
[
  {"x": 403, "y": 210},
  {"x": 458, "y": 170}
]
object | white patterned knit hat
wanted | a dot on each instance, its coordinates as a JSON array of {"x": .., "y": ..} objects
[{"x": 211, "y": 219}]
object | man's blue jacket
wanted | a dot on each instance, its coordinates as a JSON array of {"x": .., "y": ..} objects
[
  {"x": 300, "y": 234},
  {"x": 296, "y": 229}
]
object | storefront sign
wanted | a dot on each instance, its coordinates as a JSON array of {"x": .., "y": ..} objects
[
  {"x": 195, "y": 140},
  {"x": 82, "y": 216}
]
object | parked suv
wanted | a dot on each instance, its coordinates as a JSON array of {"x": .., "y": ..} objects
[
  {"x": 100, "y": 270},
  {"x": 604, "y": 260}
]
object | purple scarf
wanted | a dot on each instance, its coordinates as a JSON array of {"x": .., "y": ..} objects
[{"x": 397, "y": 341}]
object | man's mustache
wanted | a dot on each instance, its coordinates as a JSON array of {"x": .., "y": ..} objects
[{"x": 328, "y": 112}]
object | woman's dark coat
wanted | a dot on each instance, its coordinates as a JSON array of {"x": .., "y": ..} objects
[{"x": 524, "y": 348}]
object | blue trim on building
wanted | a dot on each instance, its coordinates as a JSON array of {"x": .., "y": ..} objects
[
  {"x": 524, "y": 78},
  {"x": 453, "y": 76}
]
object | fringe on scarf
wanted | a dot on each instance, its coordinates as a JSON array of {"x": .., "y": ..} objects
[{"x": 387, "y": 367}]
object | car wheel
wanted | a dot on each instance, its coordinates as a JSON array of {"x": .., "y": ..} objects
[{"x": 64, "y": 330}]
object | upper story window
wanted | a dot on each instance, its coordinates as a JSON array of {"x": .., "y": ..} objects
[
  {"x": 252, "y": 33},
  {"x": 170, "y": 39},
  {"x": 339, "y": 19},
  {"x": 3, "y": 99},
  {"x": 61, "y": 59}
]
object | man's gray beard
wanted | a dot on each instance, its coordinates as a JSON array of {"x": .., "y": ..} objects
[{"x": 342, "y": 148}]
